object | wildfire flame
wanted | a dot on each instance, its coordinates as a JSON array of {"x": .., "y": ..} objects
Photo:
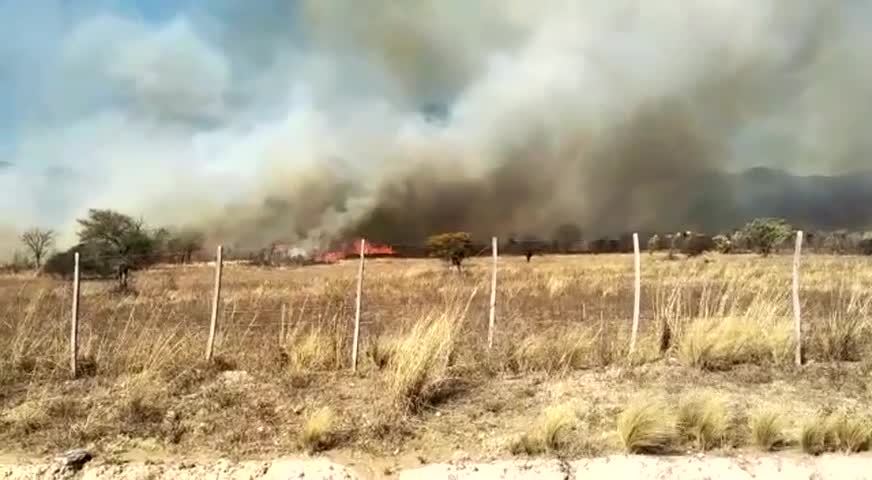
[{"x": 352, "y": 249}]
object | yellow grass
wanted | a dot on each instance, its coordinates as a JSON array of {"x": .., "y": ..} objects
[
  {"x": 768, "y": 429},
  {"x": 423, "y": 333},
  {"x": 647, "y": 425},
  {"x": 421, "y": 360},
  {"x": 318, "y": 432},
  {"x": 555, "y": 350},
  {"x": 548, "y": 432},
  {"x": 703, "y": 419}
]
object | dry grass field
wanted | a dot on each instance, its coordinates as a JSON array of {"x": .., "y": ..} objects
[{"x": 713, "y": 371}]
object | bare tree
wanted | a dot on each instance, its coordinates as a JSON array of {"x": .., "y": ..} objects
[{"x": 39, "y": 241}]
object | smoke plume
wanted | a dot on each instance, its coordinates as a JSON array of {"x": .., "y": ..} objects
[{"x": 307, "y": 121}]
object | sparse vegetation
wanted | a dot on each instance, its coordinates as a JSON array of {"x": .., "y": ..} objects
[
  {"x": 768, "y": 429},
  {"x": 720, "y": 343},
  {"x": 426, "y": 377},
  {"x": 555, "y": 350},
  {"x": 312, "y": 349},
  {"x": 647, "y": 425},
  {"x": 547, "y": 433},
  {"x": 421, "y": 361},
  {"x": 318, "y": 431},
  {"x": 703, "y": 419},
  {"x": 816, "y": 436},
  {"x": 852, "y": 433}
]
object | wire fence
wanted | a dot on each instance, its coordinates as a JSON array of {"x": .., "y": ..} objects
[{"x": 231, "y": 308}]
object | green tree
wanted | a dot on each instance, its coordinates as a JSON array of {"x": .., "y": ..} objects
[
  {"x": 764, "y": 234},
  {"x": 452, "y": 247},
  {"x": 126, "y": 242}
]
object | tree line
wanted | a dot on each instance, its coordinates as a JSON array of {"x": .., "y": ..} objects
[
  {"x": 114, "y": 244},
  {"x": 109, "y": 244}
]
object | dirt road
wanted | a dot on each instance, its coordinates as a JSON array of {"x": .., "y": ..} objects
[{"x": 834, "y": 467}]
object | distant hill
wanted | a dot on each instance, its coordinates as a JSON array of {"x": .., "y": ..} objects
[{"x": 722, "y": 201}]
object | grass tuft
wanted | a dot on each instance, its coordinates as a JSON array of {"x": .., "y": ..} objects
[
  {"x": 647, "y": 426},
  {"x": 381, "y": 351},
  {"x": 318, "y": 433},
  {"x": 312, "y": 350},
  {"x": 419, "y": 371},
  {"x": 716, "y": 344},
  {"x": 851, "y": 434},
  {"x": 815, "y": 436},
  {"x": 767, "y": 429},
  {"x": 553, "y": 351},
  {"x": 548, "y": 434},
  {"x": 703, "y": 419}
]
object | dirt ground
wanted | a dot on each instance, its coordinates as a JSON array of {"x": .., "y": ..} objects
[
  {"x": 243, "y": 416},
  {"x": 700, "y": 467}
]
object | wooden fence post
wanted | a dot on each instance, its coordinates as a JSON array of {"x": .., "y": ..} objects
[
  {"x": 797, "y": 318},
  {"x": 637, "y": 296},
  {"x": 356, "y": 339},
  {"x": 493, "y": 298},
  {"x": 282, "y": 328},
  {"x": 74, "y": 320},
  {"x": 216, "y": 299}
]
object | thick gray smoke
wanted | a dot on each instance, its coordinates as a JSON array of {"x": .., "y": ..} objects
[{"x": 303, "y": 121}]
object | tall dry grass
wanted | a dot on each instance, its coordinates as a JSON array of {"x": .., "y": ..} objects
[{"x": 554, "y": 315}]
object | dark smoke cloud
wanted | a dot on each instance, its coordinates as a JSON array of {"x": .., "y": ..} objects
[{"x": 307, "y": 121}]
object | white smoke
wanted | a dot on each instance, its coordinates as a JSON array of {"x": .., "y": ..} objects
[{"x": 203, "y": 118}]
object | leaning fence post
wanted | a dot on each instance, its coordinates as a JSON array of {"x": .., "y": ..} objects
[
  {"x": 356, "y": 339},
  {"x": 636, "y": 297},
  {"x": 797, "y": 318},
  {"x": 213, "y": 324},
  {"x": 74, "y": 320},
  {"x": 493, "y": 298}
]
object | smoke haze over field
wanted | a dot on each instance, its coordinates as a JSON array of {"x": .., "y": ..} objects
[{"x": 281, "y": 120}]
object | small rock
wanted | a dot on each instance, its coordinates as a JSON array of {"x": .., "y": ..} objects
[
  {"x": 235, "y": 376},
  {"x": 76, "y": 458}
]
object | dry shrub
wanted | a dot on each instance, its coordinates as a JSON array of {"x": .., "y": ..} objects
[
  {"x": 838, "y": 432},
  {"x": 767, "y": 429},
  {"x": 815, "y": 436},
  {"x": 381, "y": 351},
  {"x": 647, "y": 425},
  {"x": 421, "y": 361},
  {"x": 703, "y": 419},
  {"x": 712, "y": 344},
  {"x": 839, "y": 337},
  {"x": 318, "y": 432},
  {"x": 851, "y": 434},
  {"x": 313, "y": 349},
  {"x": 555, "y": 350},
  {"x": 548, "y": 433}
]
